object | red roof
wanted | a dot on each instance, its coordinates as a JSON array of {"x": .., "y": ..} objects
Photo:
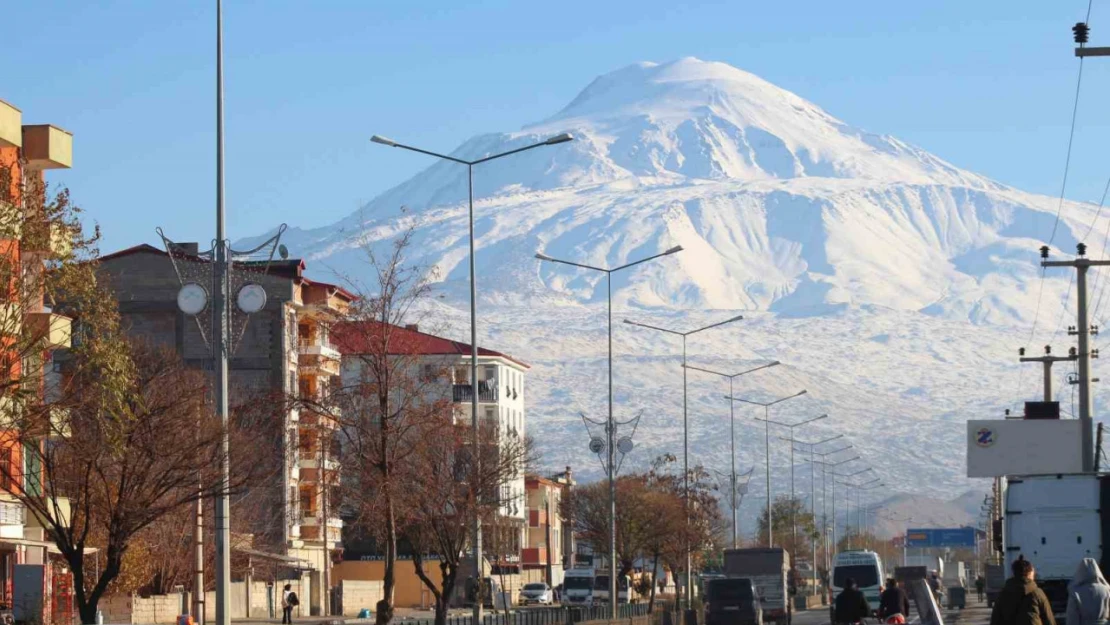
[{"x": 354, "y": 337}]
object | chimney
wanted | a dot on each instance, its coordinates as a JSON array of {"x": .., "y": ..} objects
[
  {"x": 567, "y": 476},
  {"x": 191, "y": 249},
  {"x": 412, "y": 326}
]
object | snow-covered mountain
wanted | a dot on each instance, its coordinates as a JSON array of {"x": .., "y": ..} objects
[{"x": 893, "y": 285}]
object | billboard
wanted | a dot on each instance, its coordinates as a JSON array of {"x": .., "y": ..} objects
[
  {"x": 1000, "y": 447},
  {"x": 941, "y": 537}
]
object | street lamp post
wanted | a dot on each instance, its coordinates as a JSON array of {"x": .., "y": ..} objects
[
  {"x": 813, "y": 497},
  {"x": 555, "y": 140},
  {"x": 610, "y": 427},
  {"x": 847, "y": 502},
  {"x": 732, "y": 434},
  {"x": 824, "y": 496},
  {"x": 793, "y": 507},
  {"x": 767, "y": 451},
  {"x": 686, "y": 437}
]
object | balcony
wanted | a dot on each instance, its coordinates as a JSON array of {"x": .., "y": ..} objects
[
  {"x": 533, "y": 555},
  {"x": 310, "y": 520},
  {"x": 312, "y": 461},
  {"x": 317, "y": 358},
  {"x": 11, "y": 126},
  {"x": 45, "y": 237},
  {"x": 52, "y": 329},
  {"x": 487, "y": 393},
  {"x": 47, "y": 147}
]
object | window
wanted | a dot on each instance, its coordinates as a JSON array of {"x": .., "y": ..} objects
[
  {"x": 6, "y": 469},
  {"x": 490, "y": 373}
]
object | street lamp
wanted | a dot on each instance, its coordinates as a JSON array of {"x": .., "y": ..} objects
[
  {"x": 610, "y": 427},
  {"x": 767, "y": 451},
  {"x": 847, "y": 498},
  {"x": 686, "y": 437},
  {"x": 555, "y": 140},
  {"x": 793, "y": 508},
  {"x": 732, "y": 433},
  {"x": 812, "y": 495},
  {"x": 824, "y": 498}
]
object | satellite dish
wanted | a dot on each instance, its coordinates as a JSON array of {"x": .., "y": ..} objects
[
  {"x": 597, "y": 445},
  {"x": 283, "y": 251},
  {"x": 624, "y": 445}
]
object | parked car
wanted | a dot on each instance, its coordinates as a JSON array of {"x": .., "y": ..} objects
[
  {"x": 732, "y": 601},
  {"x": 538, "y": 593}
]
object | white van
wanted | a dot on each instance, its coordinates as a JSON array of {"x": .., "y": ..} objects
[{"x": 863, "y": 566}]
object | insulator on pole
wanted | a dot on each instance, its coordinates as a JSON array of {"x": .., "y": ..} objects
[{"x": 1081, "y": 31}]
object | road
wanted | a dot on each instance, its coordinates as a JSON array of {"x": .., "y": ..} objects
[{"x": 812, "y": 617}]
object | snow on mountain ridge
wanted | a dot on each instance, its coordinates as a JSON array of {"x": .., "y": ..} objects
[{"x": 895, "y": 284}]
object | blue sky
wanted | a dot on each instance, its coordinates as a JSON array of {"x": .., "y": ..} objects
[{"x": 985, "y": 85}]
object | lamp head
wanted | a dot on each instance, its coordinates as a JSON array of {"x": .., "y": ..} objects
[
  {"x": 543, "y": 256},
  {"x": 384, "y": 141},
  {"x": 673, "y": 250},
  {"x": 560, "y": 138}
]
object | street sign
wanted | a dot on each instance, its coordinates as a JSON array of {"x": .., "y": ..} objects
[{"x": 937, "y": 537}]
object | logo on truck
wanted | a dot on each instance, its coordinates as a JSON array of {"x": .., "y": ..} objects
[{"x": 984, "y": 437}]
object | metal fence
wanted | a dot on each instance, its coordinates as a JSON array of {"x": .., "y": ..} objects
[{"x": 564, "y": 615}]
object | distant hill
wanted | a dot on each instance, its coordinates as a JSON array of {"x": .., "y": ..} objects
[{"x": 894, "y": 515}]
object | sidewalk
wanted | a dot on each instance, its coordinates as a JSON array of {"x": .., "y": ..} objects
[{"x": 974, "y": 614}]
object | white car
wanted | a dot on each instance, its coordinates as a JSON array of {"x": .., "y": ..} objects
[{"x": 538, "y": 593}]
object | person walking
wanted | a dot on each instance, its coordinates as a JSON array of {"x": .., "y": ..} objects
[
  {"x": 893, "y": 601},
  {"x": 1088, "y": 595},
  {"x": 850, "y": 605},
  {"x": 288, "y": 602},
  {"x": 1020, "y": 601},
  {"x": 980, "y": 584}
]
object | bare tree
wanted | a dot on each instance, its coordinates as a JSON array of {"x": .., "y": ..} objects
[
  {"x": 386, "y": 401},
  {"x": 112, "y": 461},
  {"x": 442, "y": 504}
]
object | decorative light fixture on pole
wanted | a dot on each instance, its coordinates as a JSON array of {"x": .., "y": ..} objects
[
  {"x": 732, "y": 436},
  {"x": 686, "y": 438},
  {"x": 767, "y": 451},
  {"x": 610, "y": 427},
  {"x": 812, "y": 496},
  {"x": 215, "y": 267},
  {"x": 557, "y": 139}
]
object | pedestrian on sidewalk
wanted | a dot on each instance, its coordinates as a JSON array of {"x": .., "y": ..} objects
[
  {"x": 288, "y": 601},
  {"x": 1088, "y": 596},
  {"x": 1021, "y": 602},
  {"x": 980, "y": 584}
]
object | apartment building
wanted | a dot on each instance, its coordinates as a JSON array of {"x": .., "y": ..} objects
[
  {"x": 29, "y": 333},
  {"x": 500, "y": 389},
  {"x": 549, "y": 540},
  {"x": 284, "y": 352}
]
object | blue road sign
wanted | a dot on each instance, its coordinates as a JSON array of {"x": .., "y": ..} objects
[{"x": 936, "y": 537}]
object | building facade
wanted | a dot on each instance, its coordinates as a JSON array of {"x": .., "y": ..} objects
[
  {"x": 549, "y": 541},
  {"x": 501, "y": 404},
  {"x": 29, "y": 333},
  {"x": 282, "y": 362}
]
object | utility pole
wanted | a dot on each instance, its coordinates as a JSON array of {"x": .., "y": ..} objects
[
  {"x": 1048, "y": 360},
  {"x": 1098, "y": 447},
  {"x": 1083, "y": 330}
]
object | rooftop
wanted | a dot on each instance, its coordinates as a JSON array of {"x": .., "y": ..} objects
[{"x": 356, "y": 337}]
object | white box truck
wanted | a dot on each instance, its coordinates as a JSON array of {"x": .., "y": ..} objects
[{"x": 1055, "y": 521}]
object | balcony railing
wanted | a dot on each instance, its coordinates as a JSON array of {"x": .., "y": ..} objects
[
  {"x": 465, "y": 392},
  {"x": 12, "y": 513}
]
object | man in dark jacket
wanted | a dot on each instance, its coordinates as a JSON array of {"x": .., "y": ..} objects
[
  {"x": 851, "y": 606},
  {"x": 1020, "y": 601},
  {"x": 894, "y": 600}
]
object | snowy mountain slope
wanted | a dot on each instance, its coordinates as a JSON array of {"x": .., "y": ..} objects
[{"x": 895, "y": 285}]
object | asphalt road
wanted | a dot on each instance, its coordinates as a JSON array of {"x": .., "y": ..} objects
[{"x": 812, "y": 617}]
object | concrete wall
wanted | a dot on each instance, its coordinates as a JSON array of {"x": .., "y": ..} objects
[
  {"x": 356, "y": 595},
  {"x": 409, "y": 591},
  {"x": 160, "y": 609}
]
